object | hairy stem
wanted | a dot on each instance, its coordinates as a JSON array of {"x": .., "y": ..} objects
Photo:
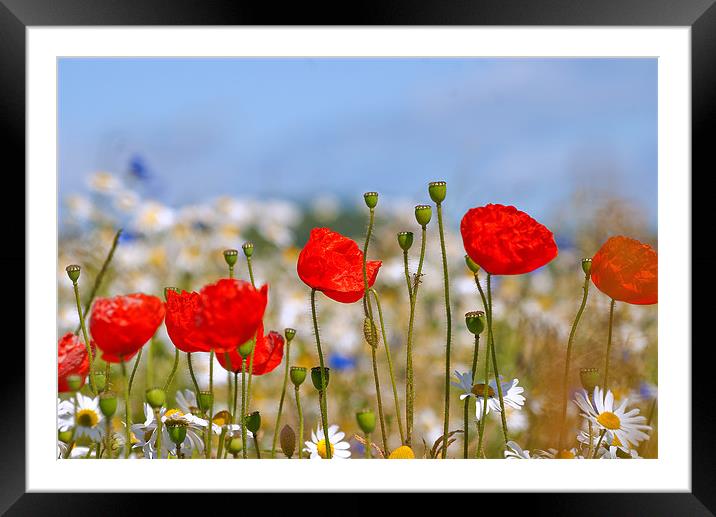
[
  {"x": 322, "y": 392},
  {"x": 409, "y": 380},
  {"x": 448, "y": 317}
]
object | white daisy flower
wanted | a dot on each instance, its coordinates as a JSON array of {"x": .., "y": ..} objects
[
  {"x": 186, "y": 400},
  {"x": 317, "y": 446},
  {"x": 511, "y": 393},
  {"x": 146, "y": 433},
  {"x": 515, "y": 452},
  {"x": 616, "y": 453},
  {"x": 85, "y": 416},
  {"x": 565, "y": 454},
  {"x": 626, "y": 426}
]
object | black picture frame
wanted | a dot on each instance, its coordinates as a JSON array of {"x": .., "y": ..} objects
[{"x": 17, "y": 15}]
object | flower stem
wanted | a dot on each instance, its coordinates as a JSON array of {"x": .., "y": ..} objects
[
  {"x": 236, "y": 397},
  {"x": 448, "y": 318},
  {"x": 367, "y": 446},
  {"x": 251, "y": 271},
  {"x": 407, "y": 274},
  {"x": 601, "y": 437},
  {"x": 253, "y": 350},
  {"x": 567, "y": 361},
  {"x": 243, "y": 407},
  {"x": 85, "y": 336},
  {"x": 280, "y": 402},
  {"x": 609, "y": 345},
  {"x": 191, "y": 374},
  {"x": 467, "y": 399},
  {"x": 409, "y": 381},
  {"x": 379, "y": 399},
  {"x": 127, "y": 412},
  {"x": 158, "y": 443},
  {"x": 322, "y": 393},
  {"x": 485, "y": 395},
  {"x": 256, "y": 444},
  {"x": 174, "y": 370},
  {"x": 390, "y": 365},
  {"x": 211, "y": 404},
  {"x": 495, "y": 370},
  {"x": 300, "y": 422}
]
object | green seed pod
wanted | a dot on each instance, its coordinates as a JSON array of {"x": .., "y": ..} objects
[
  {"x": 176, "y": 428},
  {"x": 231, "y": 256},
  {"x": 405, "y": 240},
  {"x": 74, "y": 382},
  {"x": 156, "y": 397},
  {"x": 366, "y": 420},
  {"x": 167, "y": 289},
  {"x": 100, "y": 380},
  {"x": 471, "y": 264},
  {"x": 370, "y": 332},
  {"x": 316, "y": 377},
  {"x": 287, "y": 439},
  {"x": 246, "y": 349},
  {"x": 205, "y": 400},
  {"x": 65, "y": 436},
  {"x": 253, "y": 422},
  {"x": 233, "y": 444},
  {"x": 371, "y": 199},
  {"x": 248, "y": 248},
  {"x": 475, "y": 322},
  {"x": 73, "y": 271},
  {"x": 108, "y": 403},
  {"x": 589, "y": 378},
  {"x": 289, "y": 334},
  {"x": 423, "y": 214},
  {"x": 437, "y": 191},
  {"x": 298, "y": 375},
  {"x": 587, "y": 266}
]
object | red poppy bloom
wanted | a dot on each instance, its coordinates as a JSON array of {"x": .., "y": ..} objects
[
  {"x": 268, "y": 353},
  {"x": 122, "y": 325},
  {"x": 182, "y": 319},
  {"x": 72, "y": 359},
  {"x": 505, "y": 241},
  {"x": 626, "y": 270},
  {"x": 231, "y": 312},
  {"x": 333, "y": 264}
]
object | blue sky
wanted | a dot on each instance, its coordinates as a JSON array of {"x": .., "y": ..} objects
[{"x": 518, "y": 131}]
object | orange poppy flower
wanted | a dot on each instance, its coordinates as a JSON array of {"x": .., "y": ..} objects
[{"x": 626, "y": 270}]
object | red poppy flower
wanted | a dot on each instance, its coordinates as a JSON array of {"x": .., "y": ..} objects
[
  {"x": 333, "y": 264},
  {"x": 231, "y": 312},
  {"x": 72, "y": 359},
  {"x": 626, "y": 270},
  {"x": 505, "y": 241},
  {"x": 268, "y": 354},
  {"x": 182, "y": 319},
  {"x": 122, "y": 325}
]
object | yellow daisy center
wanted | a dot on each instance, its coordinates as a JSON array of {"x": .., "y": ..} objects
[
  {"x": 173, "y": 413},
  {"x": 402, "y": 453},
  {"x": 321, "y": 446},
  {"x": 565, "y": 455},
  {"x": 609, "y": 420},
  {"x": 479, "y": 390},
  {"x": 87, "y": 418}
]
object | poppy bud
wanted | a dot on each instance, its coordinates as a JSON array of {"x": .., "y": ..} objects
[
  {"x": 370, "y": 332},
  {"x": 248, "y": 248},
  {"x": 423, "y": 214},
  {"x": 298, "y": 375},
  {"x": 405, "y": 240},
  {"x": 253, "y": 422},
  {"x": 316, "y": 377},
  {"x": 246, "y": 349},
  {"x": 475, "y": 322},
  {"x": 156, "y": 397},
  {"x": 108, "y": 403},
  {"x": 371, "y": 199},
  {"x": 471, "y": 264},
  {"x": 589, "y": 378},
  {"x": 74, "y": 382},
  {"x": 587, "y": 266},
  {"x": 437, "y": 191},
  {"x": 73, "y": 271},
  {"x": 100, "y": 380},
  {"x": 289, "y": 334},
  {"x": 206, "y": 400},
  {"x": 287, "y": 438},
  {"x": 230, "y": 256},
  {"x": 176, "y": 428},
  {"x": 65, "y": 436},
  {"x": 234, "y": 444},
  {"x": 167, "y": 289},
  {"x": 366, "y": 420}
]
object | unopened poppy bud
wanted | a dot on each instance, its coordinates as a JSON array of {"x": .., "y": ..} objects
[
  {"x": 287, "y": 439},
  {"x": 437, "y": 191},
  {"x": 587, "y": 266},
  {"x": 205, "y": 400},
  {"x": 366, "y": 420},
  {"x": 423, "y": 214},
  {"x": 156, "y": 397},
  {"x": 405, "y": 240},
  {"x": 289, "y": 334},
  {"x": 370, "y": 332},
  {"x": 233, "y": 444},
  {"x": 248, "y": 248},
  {"x": 298, "y": 375},
  {"x": 176, "y": 428},
  {"x": 100, "y": 380},
  {"x": 108, "y": 403},
  {"x": 74, "y": 382},
  {"x": 253, "y": 422},
  {"x": 231, "y": 256},
  {"x": 371, "y": 199},
  {"x": 246, "y": 349},
  {"x": 316, "y": 377},
  {"x": 589, "y": 378},
  {"x": 65, "y": 436},
  {"x": 167, "y": 289},
  {"x": 73, "y": 271},
  {"x": 475, "y": 322},
  {"x": 471, "y": 264}
]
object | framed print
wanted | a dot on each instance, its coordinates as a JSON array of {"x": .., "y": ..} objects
[{"x": 437, "y": 237}]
